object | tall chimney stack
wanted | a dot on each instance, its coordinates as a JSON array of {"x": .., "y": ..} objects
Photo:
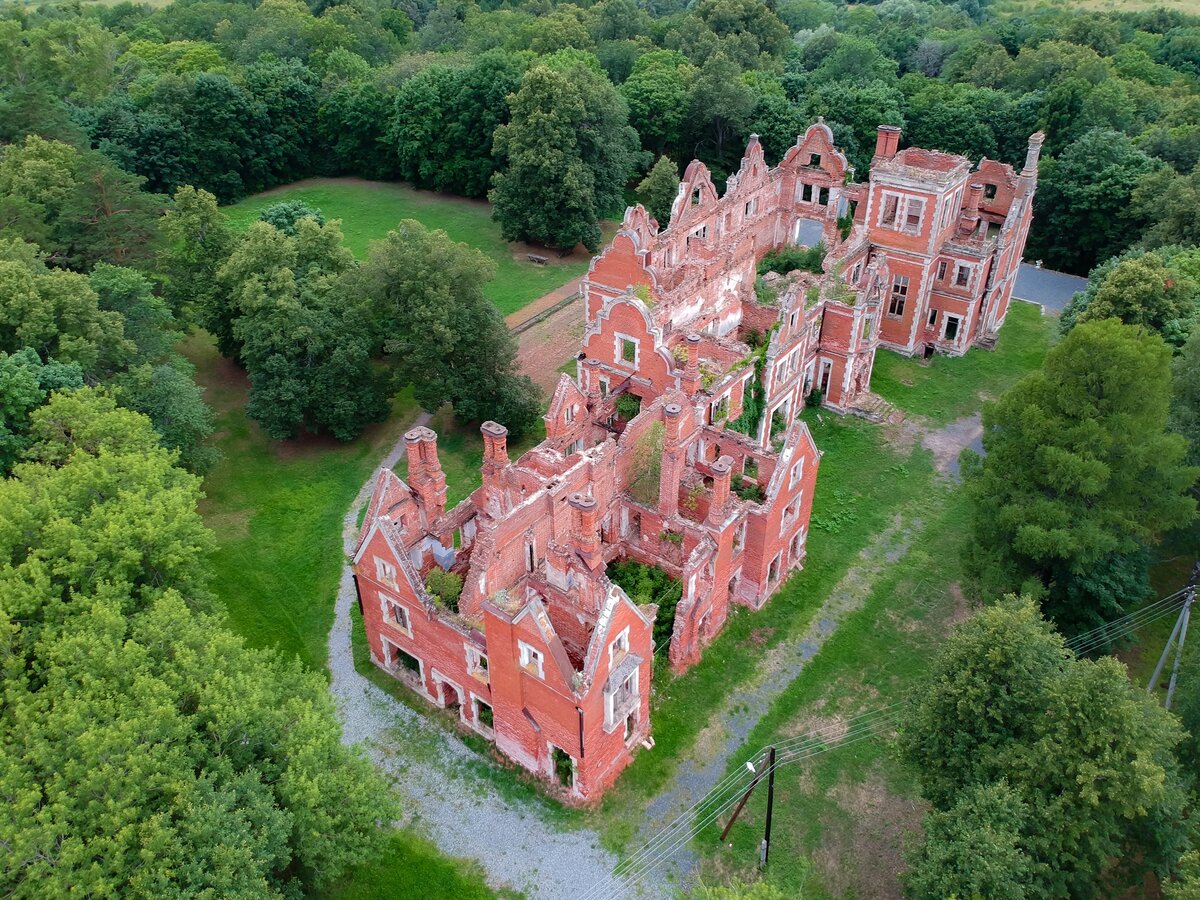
[
  {"x": 1033, "y": 154},
  {"x": 887, "y": 141},
  {"x": 672, "y": 462},
  {"x": 587, "y": 535},
  {"x": 722, "y": 472},
  {"x": 690, "y": 383},
  {"x": 495, "y": 445},
  {"x": 425, "y": 475},
  {"x": 969, "y": 219}
]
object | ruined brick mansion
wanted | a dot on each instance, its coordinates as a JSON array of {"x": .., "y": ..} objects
[{"x": 678, "y": 443}]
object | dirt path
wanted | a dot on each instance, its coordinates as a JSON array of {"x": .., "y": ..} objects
[{"x": 546, "y": 346}]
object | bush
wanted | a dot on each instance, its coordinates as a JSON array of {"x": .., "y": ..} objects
[
  {"x": 789, "y": 259},
  {"x": 287, "y": 213},
  {"x": 648, "y": 584},
  {"x": 445, "y": 586},
  {"x": 750, "y": 492},
  {"x": 628, "y": 406},
  {"x": 814, "y": 398}
]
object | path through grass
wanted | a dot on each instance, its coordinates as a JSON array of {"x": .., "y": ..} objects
[{"x": 370, "y": 209}]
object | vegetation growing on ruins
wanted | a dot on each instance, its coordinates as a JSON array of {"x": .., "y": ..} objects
[
  {"x": 116, "y": 119},
  {"x": 645, "y": 585}
]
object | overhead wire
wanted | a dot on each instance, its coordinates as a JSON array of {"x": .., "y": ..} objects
[{"x": 864, "y": 726}]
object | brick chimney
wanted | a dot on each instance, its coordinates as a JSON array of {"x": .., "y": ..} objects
[
  {"x": 425, "y": 475},
  {"x": 671, "y": 473},
  {"x": 1033, "y": 154},
  {"x": 722, "y": 471},
  {"x": 887, "y": 141},
  {"x": 593, "y": 380},
  {"x": 587, "y": 531},
  {"x": 495, "y": 444},
  {"x": 968, "y": 220},
  {"x": 690, "y": 382}
]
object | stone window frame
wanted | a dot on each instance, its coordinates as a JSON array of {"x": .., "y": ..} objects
[
  {"x": 488, "y": 731},
  {"x": 634, "y": 677},
  {"x": 477, "y": 664},
  {"x": 958, "y": 320},
  {"x": 898, "y": 296},
  {"x": 531, "y": 660},
  {"x": 385, "y": 571},
  {"x": 896, "y": 218},
  {"x": 415, "y": 679},
  {"x": 797, "y": 473},
  {"x": 622, "y": 639},
  {"x": 962, "y": 276},
  {"x": 619, "y": 349},
  {"x": 388, "y": 606}
]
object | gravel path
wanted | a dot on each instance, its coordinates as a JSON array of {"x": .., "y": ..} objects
[{"x": 447, "y": 802}]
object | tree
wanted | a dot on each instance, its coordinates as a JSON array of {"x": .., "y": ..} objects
[
  {"x": 718, "y": 110},
  {"x": 25, "y": 383},
  {"x": 1168, "y": 202},
  {"x": 198, "y": 241},
  {"x": 147, "y": 320},
  {"x": 305, "y": 340},
  {"x": 1141, "y": 291},
  {"x": 1084, "y": 201},
  {"x": 168, "y": 395},
  {"x": 57, "y": 314},
  {"x": 973, "y": 849},
  {"x": 567, "y": 152},
  {"x": 1026, "y": 751},
  {"x": 658, "y": 189},
  {"x": 1185, "y": 397},
  {"x": 440, "y": 331},
  {"x": 144, "y": 749},
  {"x": 1079, "y": 475},
  {"x": 657, "y": 92},
  {"x": 285, "y": 214}
]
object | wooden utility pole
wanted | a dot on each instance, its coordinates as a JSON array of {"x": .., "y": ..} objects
[
  {"x": 766, "y": 848},
  {"x": 1177, "y": 638}
]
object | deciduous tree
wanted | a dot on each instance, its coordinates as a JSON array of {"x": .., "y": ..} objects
[
  {"x": 1056, "y": 766},
  {"x": 1080, "y": 474},
  {"x": 658, "y": 189}
]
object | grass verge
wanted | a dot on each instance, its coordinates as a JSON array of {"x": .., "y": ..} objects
[{"x": 370, "y": 209}]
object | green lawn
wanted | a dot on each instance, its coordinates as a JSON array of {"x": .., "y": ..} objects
[
  {"x": 370, "y": 209},
  {"x": 949, "y": 387},
  {"x": 412, "y": 867}
]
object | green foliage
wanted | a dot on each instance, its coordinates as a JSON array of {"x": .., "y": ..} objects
[
  {"x": 198, "y": 241},
  {"x": 568, "y": 151},
  {"x": 646, "y": 465},
  {"x": 628, "y": 406},
  {"x": 750, "y": 491},
  {"x": 650, "y": 585},
  {"x": 303, "y": 337},
  {"x": 973, "y": 849},
  {"x": 738, "y": 890},
  {"x": 445, "y": 586},
  {"x": 1094, "y": 794},
  {"x": 1079, "y": 475},
  {"x": 285, "y": 214},
  {"x": 25, "y": 384},
  {"x": 789, "y": 258},
  {"x": 814, "y": 398},
  {"x": 441, "y": 333},
  {"x": 1085, "y": 200},
  {"x": 1184, "y": 417},
  {"x": 167, "y": 394},
  {"x": 658, "y": 189},
  {"x": 1157, "y": 290}
]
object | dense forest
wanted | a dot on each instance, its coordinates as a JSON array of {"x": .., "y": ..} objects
[{"x": 145, "y": 751}]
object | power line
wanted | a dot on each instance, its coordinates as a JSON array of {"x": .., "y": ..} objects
[{"x": 867, "y": 725}]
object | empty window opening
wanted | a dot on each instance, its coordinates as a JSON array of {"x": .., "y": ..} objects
[
  {"x": 913, "y": 215},
  {"x": 941, "y": 270},
  {"x": 823, "y": 197},
  {"x": 531, "y": 659},
  {"x": 564, "y": 766},
  {"x": 630, "y": 726},
  {"x": 408, "y": 662},
  {"x": 932, "y": 317},
  {"x": 483, "y": 714},
  {"x": 530, "y": 557},
  {"x": 962, "y": 276},
  {"x": 899, "y": 295},
  {"x": 951, "y": 328},
  {"x": 989, "y": 192},
  {"x": 773, "y": 570},
  {"x": 890, "y": 204},
  {"x": 751, "y": 207},
  {"x": 814, "y": 159},
  {"x": 603, "y": 386},
  {"x": 695, "y": 196},
  {"x": 399, "y": 616},
  {"x": 451, "y": 698},
  {"x": 629, "y": 350}
]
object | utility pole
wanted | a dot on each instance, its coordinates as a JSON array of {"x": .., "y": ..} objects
[
  {"x": 1178, "y": 632},
  {"x": 766, "y": 844}
]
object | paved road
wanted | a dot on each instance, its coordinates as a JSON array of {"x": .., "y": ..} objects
[{"x": 1049, "y": 289}]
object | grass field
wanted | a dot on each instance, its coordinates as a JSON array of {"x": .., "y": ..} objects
[
  {"x": 948, "y": 387},
  {"x": 370, "y": 209}
]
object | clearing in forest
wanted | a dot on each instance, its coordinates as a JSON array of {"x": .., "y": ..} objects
[{"x": 370, "y": 209}]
